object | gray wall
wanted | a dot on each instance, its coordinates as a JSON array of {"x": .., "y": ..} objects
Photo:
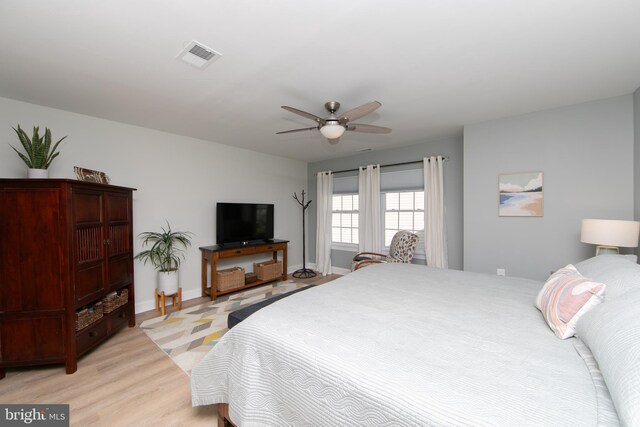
[
  {"x": 451, "y": 147},
  {"x": 636, "y": 151},
  {"x": 586, "y": 152}
]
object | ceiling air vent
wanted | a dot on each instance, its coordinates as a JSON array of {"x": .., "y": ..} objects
[{"x": 198, "y": 55}]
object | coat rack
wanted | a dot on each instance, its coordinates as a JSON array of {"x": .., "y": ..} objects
[{"x": 304, "y": 272}]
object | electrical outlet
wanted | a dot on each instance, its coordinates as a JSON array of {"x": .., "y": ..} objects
[{"x": 501, "y": 272}]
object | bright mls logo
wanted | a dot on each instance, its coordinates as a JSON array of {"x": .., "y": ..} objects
[{"x": 34, "y": 415}]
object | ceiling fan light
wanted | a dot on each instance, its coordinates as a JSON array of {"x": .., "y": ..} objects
[{"x": 332, "y": 130}]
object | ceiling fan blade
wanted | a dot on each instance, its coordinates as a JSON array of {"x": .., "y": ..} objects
[
  {"x": 296, "y": 130},
  {"x": 304, "y": 114},
  {"x": 360, "y": 111},
  {"x": 333, "y": 141},
  {"x": 357, "y": 127}
]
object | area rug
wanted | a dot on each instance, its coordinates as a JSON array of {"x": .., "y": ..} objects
[{"x": 187, "y": 335}]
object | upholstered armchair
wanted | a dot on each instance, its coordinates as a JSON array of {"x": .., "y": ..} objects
[{"x": 402, "y": 247}]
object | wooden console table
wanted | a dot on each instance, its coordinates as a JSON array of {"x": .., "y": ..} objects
[{"x": 211, "y": 255}]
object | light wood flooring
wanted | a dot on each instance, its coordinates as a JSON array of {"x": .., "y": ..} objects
[{"x": 126, "y": 381}]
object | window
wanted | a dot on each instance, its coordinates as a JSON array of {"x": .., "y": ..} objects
[
  {"x": 344, "y": 221},
  {"x": 403, "y": 210}
]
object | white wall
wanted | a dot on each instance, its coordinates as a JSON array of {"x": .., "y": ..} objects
[
  {"x": 586, "y": 152},
  {"x": 179, "y": 179}
]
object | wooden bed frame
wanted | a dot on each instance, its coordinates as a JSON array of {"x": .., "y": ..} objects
[{"x": 223, "y": 416}]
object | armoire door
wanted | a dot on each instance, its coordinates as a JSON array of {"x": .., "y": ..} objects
[
  {"x": 89, "y": 244},
  {"x": 118, "y": 218}
]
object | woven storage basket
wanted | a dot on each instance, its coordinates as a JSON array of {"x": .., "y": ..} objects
[
  {"x": 230, "y": 278},
  {"x": 268, "y": 270},
  {"x": 111, "y": 302},
  {"x": 87, "y": 316}
]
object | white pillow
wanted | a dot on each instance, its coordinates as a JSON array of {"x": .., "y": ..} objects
[
  {"x": 612, "y": 333},
  {"x": 565, "y": 297},
  {"x": 619, "y": 272}
]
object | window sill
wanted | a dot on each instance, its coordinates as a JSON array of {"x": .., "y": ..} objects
[{"x": 348, "y": 247}]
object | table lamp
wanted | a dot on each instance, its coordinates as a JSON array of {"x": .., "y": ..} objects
[{"x": 609, "y": 235}]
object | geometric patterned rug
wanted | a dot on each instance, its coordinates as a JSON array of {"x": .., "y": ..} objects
[{"x": 187, "y": 335}]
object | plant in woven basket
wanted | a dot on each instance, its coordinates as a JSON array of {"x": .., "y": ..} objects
[
  {"x": 167, "y": 248},
  {"x": 39, "y": 153}
]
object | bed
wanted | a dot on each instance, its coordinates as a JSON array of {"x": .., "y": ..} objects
[{"x": 405, "y": 345}]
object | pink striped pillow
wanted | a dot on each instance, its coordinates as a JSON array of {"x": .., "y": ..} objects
[{"x": 565, "y": 297}]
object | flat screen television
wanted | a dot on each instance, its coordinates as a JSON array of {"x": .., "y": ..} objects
[{"x": 242, "y": 223}]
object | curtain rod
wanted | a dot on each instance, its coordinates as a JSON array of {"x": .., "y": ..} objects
[{"x": 445, "y": 158}]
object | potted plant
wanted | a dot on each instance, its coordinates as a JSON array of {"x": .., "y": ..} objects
[
  {"x": 38, "y": 151},
  {"x": 165, "y": 254}
]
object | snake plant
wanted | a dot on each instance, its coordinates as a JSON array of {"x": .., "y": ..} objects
[{"x": 39, "y": 153}]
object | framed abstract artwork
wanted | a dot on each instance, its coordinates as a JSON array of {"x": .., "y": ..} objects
[{"x": 520, "y": 194}]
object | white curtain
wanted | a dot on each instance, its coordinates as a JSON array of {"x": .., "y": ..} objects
[
  {"x": 324, "y": 199},
  {"x": 369, "y": 225},
  {"x": 435, "y": 242}
]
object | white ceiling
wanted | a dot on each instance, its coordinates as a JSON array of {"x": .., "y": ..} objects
[{"x": 435, "y": 65}]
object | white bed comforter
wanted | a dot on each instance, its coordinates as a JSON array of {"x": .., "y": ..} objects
[{"x": 402, "y": 345}]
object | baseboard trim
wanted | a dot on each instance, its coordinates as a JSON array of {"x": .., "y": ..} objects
[
  {"x": 292, "y": 268},
  {"x": 147, "y": 305},
  {"x": 335, "y": 270},
  {"x": 150, "y": 304},
  {"x": 340, "y": 270}
]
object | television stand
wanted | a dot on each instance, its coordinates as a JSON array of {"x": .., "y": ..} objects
[{"x": 211, "y": 255}]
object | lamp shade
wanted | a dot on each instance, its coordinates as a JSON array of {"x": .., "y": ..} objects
[
  {"x": 332, "y": 130},
  {"x": 610, "y": 232}
]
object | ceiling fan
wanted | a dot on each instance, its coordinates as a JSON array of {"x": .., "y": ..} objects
[{"x": 335, "y": 125}]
